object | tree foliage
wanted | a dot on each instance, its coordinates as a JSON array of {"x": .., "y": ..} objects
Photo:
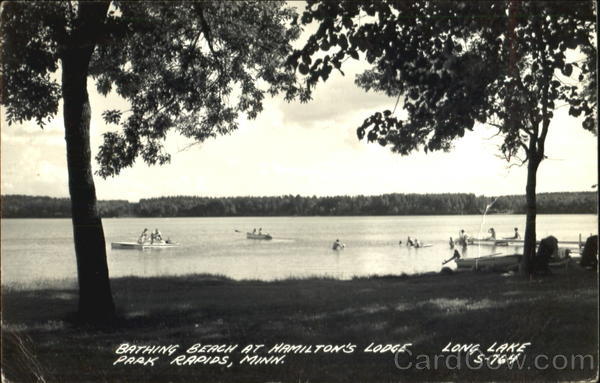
[
  {"x": 20, "y": 206},
  {"x": 505, "y": 63},
  {"x": 189, "y": 67}
]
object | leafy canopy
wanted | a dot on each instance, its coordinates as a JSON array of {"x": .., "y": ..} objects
[
  {"x": 188, "y": 67},
  {"x": 505, "y": 63}
]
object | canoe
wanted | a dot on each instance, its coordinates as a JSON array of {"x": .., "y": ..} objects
[
  {"x": 258, "y": 236},
  {"x": 141, "y": 246},
  {"x": 500, "y": 261},
  {"x": 424, "y": 245}
]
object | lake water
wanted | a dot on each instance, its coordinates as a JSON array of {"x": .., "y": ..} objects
[{"x": 38, "y": 250}]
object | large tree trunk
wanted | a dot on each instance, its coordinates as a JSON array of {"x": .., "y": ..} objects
[
  {"x": 95, "y": 298},
  {"x": 530, "y": 227}
]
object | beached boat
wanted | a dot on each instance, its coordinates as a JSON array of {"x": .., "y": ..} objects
[
  {"x": 258, "y": 236},
  {"x": 490, "y": 261},
  {"x": 142, "y": 246}
]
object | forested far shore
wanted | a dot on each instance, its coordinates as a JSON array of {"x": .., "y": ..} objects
[{"x": 23, "y": 206}]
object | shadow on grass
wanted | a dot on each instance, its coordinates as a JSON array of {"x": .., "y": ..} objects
[{"x": 557, "y": 314}]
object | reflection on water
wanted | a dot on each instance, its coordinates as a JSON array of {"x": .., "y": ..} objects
[{"x": 35, "y": 250}]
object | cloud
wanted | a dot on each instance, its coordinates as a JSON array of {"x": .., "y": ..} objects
[{"x": 335, "y": 100}]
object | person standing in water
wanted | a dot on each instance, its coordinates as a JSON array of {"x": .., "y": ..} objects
[
  {"x": 337, "y": 245},
  {"x": 463, "y": 238}
]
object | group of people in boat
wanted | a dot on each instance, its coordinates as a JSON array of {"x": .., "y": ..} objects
[
  {"x": 154, "y": 236},
  {"x": 463, "y": 238},
  {"x": 259, "y": 231},
  {"x": 492, "y": 236}
]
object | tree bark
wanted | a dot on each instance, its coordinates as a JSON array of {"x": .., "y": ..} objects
[
  {"x": 529, "y": 245},
  {"x": 95, "y": 297}
]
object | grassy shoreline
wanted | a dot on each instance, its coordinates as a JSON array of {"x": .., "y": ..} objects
[{"x": 557, "y": 314}]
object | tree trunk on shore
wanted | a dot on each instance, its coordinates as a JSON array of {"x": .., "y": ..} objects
[
  {"x": 530, "y": 225},
  {"x": 95, "y": 297}
]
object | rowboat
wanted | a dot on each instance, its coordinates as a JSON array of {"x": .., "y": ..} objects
[
  {"x": 489, "y": 242},
  {"x": 258, "y": 236},
  {"x": 490, "y": 261},
  {"x": 142, "y": 246}
]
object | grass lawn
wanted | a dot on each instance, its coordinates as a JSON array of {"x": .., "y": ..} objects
[{"x": 557, "y": 314}]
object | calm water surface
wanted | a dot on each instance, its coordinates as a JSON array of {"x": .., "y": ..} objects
[{"x": 39, "y": 250}]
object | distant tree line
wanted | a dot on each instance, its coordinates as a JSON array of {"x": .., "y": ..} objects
[{"x": 22, "y": 206}]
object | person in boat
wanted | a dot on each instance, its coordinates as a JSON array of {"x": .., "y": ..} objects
[
  {"x": 254, "y": 231},
  {"x": 455, "y": 256},
  {"x": 516, "y": 235},
  {"x": 260, "y": 231},
  {"x": 157, "y": 235},
  {"x": 451, "y": 243},
  {"x": 492, "y": 234},
  {"x": 418, "y": 243},
  {"x": 409, "y": 241},
  {"x": 144, "y": 236}
]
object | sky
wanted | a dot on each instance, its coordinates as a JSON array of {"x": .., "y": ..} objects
[{"x": 305, "y": 149}]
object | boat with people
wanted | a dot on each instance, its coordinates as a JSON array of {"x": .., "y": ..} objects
[
  {"x": 146, "y": 240},
  {"x": 258, "y": 236},
  {"x": 145, "y": 245}
]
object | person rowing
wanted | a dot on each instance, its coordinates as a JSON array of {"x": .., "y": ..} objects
[
  {"x": 516, "y": 235},
  {"x": 492, "y": 234},
  {"x": 409, "y": 241},
  {"x": 418, "y": 243}
]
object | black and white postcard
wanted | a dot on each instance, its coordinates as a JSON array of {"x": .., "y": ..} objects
[{"x": 299, "y": 191}]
